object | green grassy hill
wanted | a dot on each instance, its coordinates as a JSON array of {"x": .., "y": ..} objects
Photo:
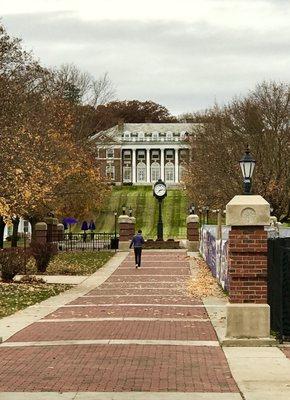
[{"x": 145, "y": 209}]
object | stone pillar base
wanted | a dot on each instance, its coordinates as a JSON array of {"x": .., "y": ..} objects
[
  {"x": 192, "y": 245},
  {"x": 248, "y": 325},
  {"x": 124, "y": 245}
]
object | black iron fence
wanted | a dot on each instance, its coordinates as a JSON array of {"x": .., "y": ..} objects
[
  {"x": 88, "y": 241},
  {"x": 279, "y": 286}
]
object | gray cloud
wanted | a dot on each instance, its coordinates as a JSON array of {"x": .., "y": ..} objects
[{"x": 182, "y": 65}]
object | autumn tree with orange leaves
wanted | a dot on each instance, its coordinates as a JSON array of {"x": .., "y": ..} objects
[{"x": 41, "y": 160}]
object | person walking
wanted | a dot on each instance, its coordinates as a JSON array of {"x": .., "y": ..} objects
[{"x": 137, "y": 242}]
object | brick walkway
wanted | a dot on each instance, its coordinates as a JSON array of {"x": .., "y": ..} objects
[{"x": 138, "y": 331}]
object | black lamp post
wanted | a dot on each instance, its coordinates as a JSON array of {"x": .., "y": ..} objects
[
  {"x": 191, "y": 209},
  {"x": 247, "y": 164},
  {"x": 123, "y": 209},
  {"x": 206, "y": 214},
  {"x": 130, "y": 212},
  {"x": 115, "y": 215}
]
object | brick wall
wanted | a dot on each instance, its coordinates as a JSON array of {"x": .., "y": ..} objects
[
  {"x": 125, "y": 231},
  {"x": 248, "y": 265},
  {"x": 192, "y": 231}
]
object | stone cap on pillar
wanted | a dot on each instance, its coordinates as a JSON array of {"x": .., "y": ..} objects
[
  {"x": 192, "y": 218},
  {"x": 51, "y": 220},
  {"x": 133, "y": 220},
  {"x": 40, "y": 226},
  {"x": 124, "y": 219},
  {"x": 60, "y": 227},
  {"x": 248, "y": 210}
]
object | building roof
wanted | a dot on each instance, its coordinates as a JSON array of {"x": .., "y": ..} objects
[{"x": 116, "y": 132}]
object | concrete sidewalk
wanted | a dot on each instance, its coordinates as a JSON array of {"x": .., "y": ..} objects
[
  {"x": 261, "y": 373},
  {"x": 134, "y": 334}
]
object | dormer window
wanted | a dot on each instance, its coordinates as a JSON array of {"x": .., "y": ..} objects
[
  {"x": 169, "y": 136},
  {"x": 141, "y": 136},
  {"x": 183, "y": 135},
  {"x": 127, "y": 135},
  {"x": 155, "y": 136}
]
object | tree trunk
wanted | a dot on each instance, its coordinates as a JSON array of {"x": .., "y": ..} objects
[
  {"x": 15, "y": 222},
  {"x": 2, "y": 227}
]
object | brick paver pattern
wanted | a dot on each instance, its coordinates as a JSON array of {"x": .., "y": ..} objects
[{"x": 147, "y": 299}]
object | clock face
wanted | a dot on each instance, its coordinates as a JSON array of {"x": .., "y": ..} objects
[{"x": 160, "y": 190}]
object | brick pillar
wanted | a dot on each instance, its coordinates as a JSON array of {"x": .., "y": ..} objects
[
  {"x": 40, "y": 233},
  {"x": 248, "y": 314},
  {"x": 247, "y": 265},
  {"x": 125, "y": 232},
  {"x": 192, "y": 224},
  {"x": 52, "y": 234}
]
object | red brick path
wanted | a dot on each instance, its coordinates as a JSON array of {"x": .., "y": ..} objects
[{"x": 157, "y": 291}]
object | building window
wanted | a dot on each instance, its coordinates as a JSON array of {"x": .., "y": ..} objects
[
  {"x": 141, "y": 172},
  {"x": 127, "y": 155},
  {"x": 141, "y": 155},
  {"x": 169, "y": 136},
  {"x": 155, "y": 154},
  {"x": 155, "y": 136},
  {"x": 110, "y": 153},
  {"x": 155, "y": 171},
  {"x": 110, "y": 172},
  {"x": 183, "y": 135},
  {"x": 141, "y": 136},
  {"x": 169, "y": 155},
  {"x": 183, "y": 154},
  {"x": 127, "y": 174},
  {"x": 127, "y": 135},
  {"x": 169, "y": 172}
]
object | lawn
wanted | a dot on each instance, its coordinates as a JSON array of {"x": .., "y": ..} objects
[
  {"x": 75, "y": 263},
  {"x": 16, "y": 296},
  {"x": 145, "y": 209}
]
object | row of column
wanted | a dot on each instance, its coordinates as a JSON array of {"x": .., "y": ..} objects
[{"x": 162, "y": 165}]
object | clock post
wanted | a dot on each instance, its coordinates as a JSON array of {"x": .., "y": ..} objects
[
  {"x": 160, "y": 192},
  {"x": 160, "y": 223}
]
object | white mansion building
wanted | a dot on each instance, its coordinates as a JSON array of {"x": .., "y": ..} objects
[{"x": 141, "y": 153}]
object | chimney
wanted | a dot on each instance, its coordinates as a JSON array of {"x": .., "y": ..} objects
[{"x": 120, "y": 124}]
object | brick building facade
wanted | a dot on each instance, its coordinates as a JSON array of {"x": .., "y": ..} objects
[{"x": 142, "y": 153}]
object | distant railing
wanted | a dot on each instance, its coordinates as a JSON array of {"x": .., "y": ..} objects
[{"x": 88, "y": 241}]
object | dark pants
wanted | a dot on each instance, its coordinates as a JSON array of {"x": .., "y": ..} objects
[{"x": 138, "y": 251}]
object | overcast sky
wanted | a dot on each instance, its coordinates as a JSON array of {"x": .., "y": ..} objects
[{"x": 184, "y": 54}]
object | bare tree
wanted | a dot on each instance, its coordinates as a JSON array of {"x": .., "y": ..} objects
[
  {"x": 81, "y": 87},
  {"x": 261, "y": 120}
]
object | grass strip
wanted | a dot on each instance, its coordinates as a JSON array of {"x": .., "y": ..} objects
[{"x": 17, "y": 296}]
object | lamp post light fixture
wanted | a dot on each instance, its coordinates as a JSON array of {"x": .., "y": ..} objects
[
  {"x": 123, "y": 209},
  {"x": 130, "y": 212},
  {"x": 247, "y": 164},
  {"x": 191, "y": 209}
]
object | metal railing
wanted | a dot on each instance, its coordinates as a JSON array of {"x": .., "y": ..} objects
[{"x": 88, "y": 241}]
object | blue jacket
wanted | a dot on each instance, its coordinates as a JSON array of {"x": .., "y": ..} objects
[{"x": 137, "y": 241}]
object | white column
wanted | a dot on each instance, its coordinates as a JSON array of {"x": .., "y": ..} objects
[
  {"x": 148, "y": 165},
  {"x": 176, "y": 161},
  {"x": 133, "y": 166},
  {"x": 162, "y": 163}
]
